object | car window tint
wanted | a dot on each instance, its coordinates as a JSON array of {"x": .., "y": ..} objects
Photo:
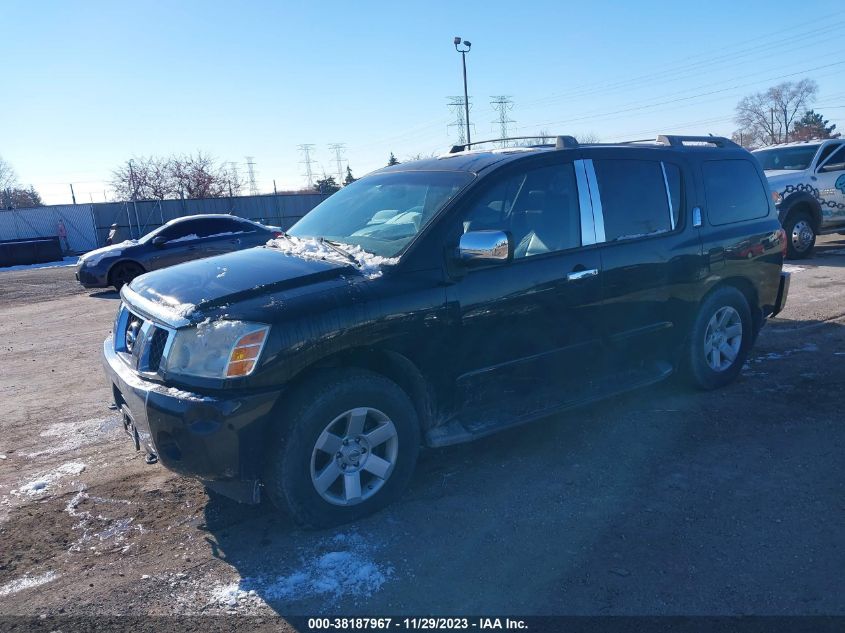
[
  {"x": 219, "y": 226},
  {"x": 633, "y": 198},
  {"x": 538, "y": 207},
  {"x": 827, "y": 151},
  {"x": 177, "y": 231},
  {"x": 836, "y": 162},
  {"x": 733, "y": 191}
]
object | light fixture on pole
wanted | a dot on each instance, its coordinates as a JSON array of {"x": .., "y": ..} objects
[{"x": 463, "y": 52}]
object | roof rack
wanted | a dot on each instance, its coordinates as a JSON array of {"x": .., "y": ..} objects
[
  {"x": 681, "y": 141},
  {"x": 561, "y": 142}
]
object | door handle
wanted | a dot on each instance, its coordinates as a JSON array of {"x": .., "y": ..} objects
[{"x": 582, "y": 274}]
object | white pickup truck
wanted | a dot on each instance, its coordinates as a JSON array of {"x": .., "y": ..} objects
[{"x": 807, "y": 179}]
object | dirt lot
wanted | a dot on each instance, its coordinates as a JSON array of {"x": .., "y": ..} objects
[{"x": 665, "y": 501}]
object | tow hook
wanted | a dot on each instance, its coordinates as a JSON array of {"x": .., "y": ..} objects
[{"x": 151, "y": 458}]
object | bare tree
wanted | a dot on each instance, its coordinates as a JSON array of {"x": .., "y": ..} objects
[
  {"x": 189, "y": 176},
  {"x": 765, "y": 118},
  {"x": 8, "y": 177}
]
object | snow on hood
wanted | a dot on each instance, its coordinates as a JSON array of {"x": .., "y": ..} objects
[{"x": 311, "y": 248}]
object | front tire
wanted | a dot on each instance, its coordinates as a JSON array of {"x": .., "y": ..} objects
[
  {"x": 720, "y": 340},
  {"x": 123, "y": 273},
  {"x": 347, "y": 446},
  {"x": 800, "y": 235}
]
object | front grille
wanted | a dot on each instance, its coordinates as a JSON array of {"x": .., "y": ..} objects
[
  {"x": 156, "y": 348},
  {"x": 141, "y": 341}
]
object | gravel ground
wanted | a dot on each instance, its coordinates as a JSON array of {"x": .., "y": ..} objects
[{"x": 664, "y": 501}]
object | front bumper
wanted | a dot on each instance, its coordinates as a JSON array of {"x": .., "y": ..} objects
[
  {"x": 783, "y": 292},
  {"x": 91, "y": 277},
  {"x": 217, "y": 439}
]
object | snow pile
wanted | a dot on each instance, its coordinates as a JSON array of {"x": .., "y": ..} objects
[
  {"x": 27, "y": 582},
  {"x": 334, "y": 574},
  {"x": 43, "y": 482},
  {"x": 65, "y": 437},
  {"x": 64, "y": 263},
  {"x": 368, "y": 263}
]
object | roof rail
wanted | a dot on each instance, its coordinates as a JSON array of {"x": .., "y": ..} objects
[
  {"x": 680, "y": 141},
  {"x": 561, "y": 142}
]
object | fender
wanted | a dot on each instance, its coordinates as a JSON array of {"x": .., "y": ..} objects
[{"x": 806, "y": 195}]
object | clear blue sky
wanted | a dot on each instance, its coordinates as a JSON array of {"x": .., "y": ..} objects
[{"x": 87, "y": 85}]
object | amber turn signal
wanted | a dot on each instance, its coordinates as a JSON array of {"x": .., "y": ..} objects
[{"x": 245, "y": 353}]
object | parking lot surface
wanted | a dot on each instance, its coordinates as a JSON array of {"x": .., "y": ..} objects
[{"x": 663, "y": 501}]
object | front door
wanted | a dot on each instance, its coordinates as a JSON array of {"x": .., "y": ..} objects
[
  {"x": 830, "y": 181},
  {"x": 527, "y": 332}
]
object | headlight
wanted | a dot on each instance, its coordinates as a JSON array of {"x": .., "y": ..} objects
[{"x": 217, "y": 349}]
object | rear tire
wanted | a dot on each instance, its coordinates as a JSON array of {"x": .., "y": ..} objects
[
  {"x": 721, "y": 338},
  {"x": 346, "y": 446},
  {"x": 800, "y": 235},
  {"x": 123, "y": 273}
]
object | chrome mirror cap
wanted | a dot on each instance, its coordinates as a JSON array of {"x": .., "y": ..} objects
[{"x": 478, "y": 247}]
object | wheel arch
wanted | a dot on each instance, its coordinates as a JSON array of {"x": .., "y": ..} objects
[
  {"x": 388, "y": 363},
  {"x": 803, "y": 202},
  {"x": 125, "y": 260}
]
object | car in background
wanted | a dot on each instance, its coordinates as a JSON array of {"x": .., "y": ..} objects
[
  {"x": 177, "y": 241},
  {"x": 807, "y": 180}
]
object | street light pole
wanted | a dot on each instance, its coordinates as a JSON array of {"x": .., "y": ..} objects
[{"x": 463, "y": 52}]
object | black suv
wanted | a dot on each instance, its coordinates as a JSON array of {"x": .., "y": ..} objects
[{"x": 438, "y": 301}]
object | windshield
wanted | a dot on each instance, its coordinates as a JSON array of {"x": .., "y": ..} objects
[
  {"x": 787, "y": 157},
  {"x": 382, "y": 213}
]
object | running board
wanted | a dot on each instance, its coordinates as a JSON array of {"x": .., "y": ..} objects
[{"x": 458, "y": 431}]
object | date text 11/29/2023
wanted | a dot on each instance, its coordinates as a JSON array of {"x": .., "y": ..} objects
[{"x": 423, "y": 623}]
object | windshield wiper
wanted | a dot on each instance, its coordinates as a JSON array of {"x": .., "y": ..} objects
[{"x": 334, "y": 246}]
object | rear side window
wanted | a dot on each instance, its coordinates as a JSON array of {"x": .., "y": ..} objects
[
  {"x": 633, "y": 197},
  {"x": 733, "y": 191}
]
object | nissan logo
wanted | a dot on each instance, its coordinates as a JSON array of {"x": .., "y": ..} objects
[{"x": 132, "y": 335}]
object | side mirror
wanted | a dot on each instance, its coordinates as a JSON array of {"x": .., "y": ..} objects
[
  {"x": 159, "y": 240},
  {"x": 485, "y": 247}
]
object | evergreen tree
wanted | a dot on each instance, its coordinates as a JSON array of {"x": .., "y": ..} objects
[
  {"x": 349, "y": 177},
  {"x": 392, "y": 160},
  {"x": 327, "y": 185},
  {"x": 813, "y": 125}
]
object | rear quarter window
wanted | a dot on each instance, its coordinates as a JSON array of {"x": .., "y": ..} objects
[{"x": 733, "y": 191}]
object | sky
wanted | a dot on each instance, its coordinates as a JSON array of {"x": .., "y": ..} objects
[{"x": 85, "y": 86}]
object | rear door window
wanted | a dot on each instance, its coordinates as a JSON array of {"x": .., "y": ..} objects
[
  {"x": 634, "y": 197},
  {"x": 733, "y": 191}
]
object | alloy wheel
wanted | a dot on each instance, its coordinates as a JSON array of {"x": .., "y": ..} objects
[
  {"x": 354, "y": 456},
  {"x": 723, "y": 338}
]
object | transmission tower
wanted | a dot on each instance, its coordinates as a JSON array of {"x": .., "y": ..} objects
[
  {"x": 502, "y": 104},
  {"x": 338, "y": 149},
  {"x": 306, "y": 149},
  {"x": 456, "y": 105},
  {"x": 250, "y": 167}
]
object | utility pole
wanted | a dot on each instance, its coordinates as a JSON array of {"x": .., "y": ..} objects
[
  {"x": 502, "y": 104},
  {"x": 72, "y": 195},
  {"x": 134, "y": 200},
  {"x": 250, "y": 167},
  {"x": 463, "y": 52},
  {"x": 338, "y": 149},
  {"x": 772, "y": 111},
  {"x": 275, "y": 193},
  {"x": 306, "y": 149}
]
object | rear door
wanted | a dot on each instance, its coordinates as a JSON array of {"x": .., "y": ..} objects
[
  {"x": 527, "y": 336},
  {"x": 651, "y": 255}
]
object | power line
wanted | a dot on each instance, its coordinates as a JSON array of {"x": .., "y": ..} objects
[
  {"x": 502, "y": 104},
  {"x": 306, "y": 149},
  {"x": 338, "y": 149}
]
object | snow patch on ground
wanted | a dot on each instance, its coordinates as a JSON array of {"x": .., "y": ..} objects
[
  {"x": 792, "y": 268},
  {"x": 369, "y": 264},
  {"x": 97, "y": 529},
  {"x": 43, "y": 482},
  {"x": 66, "y": 437},
  {"x": 65, "y": 263},
  {"x": 27, "y": 582},
  {"x": 809, "y": 347},
  {"x": 342, "y": 567}
]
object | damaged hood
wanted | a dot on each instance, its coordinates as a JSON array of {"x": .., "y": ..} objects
[{"x": 201, "y": 284}]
